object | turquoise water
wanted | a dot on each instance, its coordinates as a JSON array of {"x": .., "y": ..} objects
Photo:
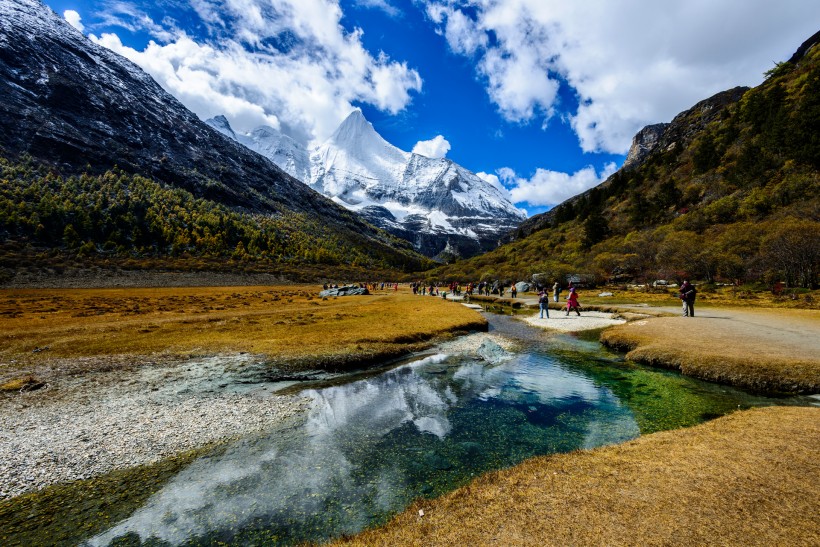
[{"x": 369, "y": 447}]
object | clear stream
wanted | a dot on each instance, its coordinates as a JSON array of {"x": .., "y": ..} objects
[{"x": 370, "y": 446}]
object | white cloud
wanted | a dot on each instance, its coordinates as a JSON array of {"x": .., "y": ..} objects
[
  {"x": 460, "y": 31},
  {"x": 435, "y": 148},
  {"x": 384, "y": 5},
  {"x": 496, "y": 182},
  {"x": 130, "y": 17},
  {"x": 552, "y": 187},
  {"x": 306, "y": 88},
  {"x": 74, "y": 19},
  {"x": 492, "y": 179},
  {"x": 630, "y": 64}
]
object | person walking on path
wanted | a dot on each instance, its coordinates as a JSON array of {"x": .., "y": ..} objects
[
  {"x": 513, "y": 291},
  {"x": 572, "y": 302},
  {"x": 687, "y": 296},
  {"x": 556, "y": 291},
  {"x": 543, "y": 303}
]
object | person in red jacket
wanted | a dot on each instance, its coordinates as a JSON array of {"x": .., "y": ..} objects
[{"x": 572, "y": 302}]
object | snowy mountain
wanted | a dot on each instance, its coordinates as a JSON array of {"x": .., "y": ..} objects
[
  {"x": 434, "y": 203},
  {"x": 285, "y": 152},
  {"x": 74, "y": 106}
]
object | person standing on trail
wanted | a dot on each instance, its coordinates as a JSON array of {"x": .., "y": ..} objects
[
  {"x": 572, "y": 302},
  {"x": 556, "y": 291},
  {"x": 687, "y": 296},
  {"x": 543, "y": 304}
]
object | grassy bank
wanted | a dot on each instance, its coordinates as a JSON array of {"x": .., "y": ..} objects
[
  {"x": 288, "y": 325},
  {"x": 746, "y": 479},
  {"x": 708, "y": 295},
  {"x": 763, "y": 350}
]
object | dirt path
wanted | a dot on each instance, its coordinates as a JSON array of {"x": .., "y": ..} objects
[{"x": 762, "y": 349}]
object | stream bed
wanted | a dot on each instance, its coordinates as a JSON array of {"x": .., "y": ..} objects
[{"x": 370, "y": 444}]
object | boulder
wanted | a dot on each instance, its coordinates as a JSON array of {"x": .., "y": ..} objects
[
  {"x": 350, "y": 290},
  {"x": 522, "y": 286},
  {"x": 492, "y": 353}
]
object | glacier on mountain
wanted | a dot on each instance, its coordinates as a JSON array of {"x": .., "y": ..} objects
[{"x": 434, "y": 203}]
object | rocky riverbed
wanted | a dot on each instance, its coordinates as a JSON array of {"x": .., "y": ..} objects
[{"x": 84, "y": 426}]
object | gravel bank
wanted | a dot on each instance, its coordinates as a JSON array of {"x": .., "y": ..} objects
[
  {"x": 470, "y": 343},
  {"x": 86, "y": 426},
  {"x": 558, "y": 320}
]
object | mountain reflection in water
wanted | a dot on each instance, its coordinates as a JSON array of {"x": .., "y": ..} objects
[{"x": 368, "y": 448}]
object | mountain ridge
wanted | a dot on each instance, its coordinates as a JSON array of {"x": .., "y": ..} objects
[
  {"x": 81, "y": 109},
  {"x": 728, "y": 191}
]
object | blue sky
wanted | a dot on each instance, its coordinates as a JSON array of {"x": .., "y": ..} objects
[{"x": 543, "y": 96}]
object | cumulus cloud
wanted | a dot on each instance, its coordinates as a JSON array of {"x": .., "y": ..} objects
[
  {"x": 461, "y": 32},
  {"x": 547, "y": 187},
  {"x": 629, "y": 64},
  {"x": 130, "y": 17},
  {"x": 384, "y": 5},
  {"x": 74, "y": 19},
  {"x": 435, "y": 148},
  {"x": 289, "y": 64},
  {"x": 492, "y": 179}
]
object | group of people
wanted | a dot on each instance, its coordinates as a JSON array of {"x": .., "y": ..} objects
[
  {"x": 687, "y": 294},
  {"x": 484, "y": 288},
  {"x": 433, "y": 289},
  {"x": 572, "y": 300}
]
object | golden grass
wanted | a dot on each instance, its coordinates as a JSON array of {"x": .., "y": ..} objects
[
  {"x": 290, "y": 325},
  {"x": 16, "y": 384},
  {"x": 750, "y": 478},
  {"x": 722, "y": 296},
  {"x": 764, "y": 350}
]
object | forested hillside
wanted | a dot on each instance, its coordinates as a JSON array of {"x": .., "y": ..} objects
[
  {"x": 730, "y": 191},
  {"x": 122, "y": 220}
]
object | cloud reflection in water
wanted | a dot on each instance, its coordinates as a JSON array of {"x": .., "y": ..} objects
[{"x": 366, "y": 449}]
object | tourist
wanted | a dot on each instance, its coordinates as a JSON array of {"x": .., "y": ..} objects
[
  {"x": 513, "y": 291},
  {"x": 572, "y": 302},
  {"x": 556, "y": 291},
  {"x": 543, "y": 304},
  {"x": 687, "y": 296}
]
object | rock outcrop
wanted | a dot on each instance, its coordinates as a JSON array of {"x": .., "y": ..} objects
[{"x": 348, "y": 290}]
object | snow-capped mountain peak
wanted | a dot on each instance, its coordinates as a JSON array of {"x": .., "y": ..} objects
[
  {"x": 356, "y": 132},
  {"x": 281, "y": 149},
  {"x": 221, "y": 124},
  {"x": 434, "y": 203}
]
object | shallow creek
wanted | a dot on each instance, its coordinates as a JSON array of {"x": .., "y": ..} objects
[{"x": 370, "y": 444}]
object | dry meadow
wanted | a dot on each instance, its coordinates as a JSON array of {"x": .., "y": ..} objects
[
  {"x": 81, "y": 330},
  {"x": 765, "y": 350},
  {"x": 745, "y": 479}
]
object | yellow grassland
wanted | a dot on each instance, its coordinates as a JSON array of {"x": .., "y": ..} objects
[
  {"x": 749, "y": 478},
  {"x": 768, "y": 350},
  {"x": 289, "y": 325}
]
